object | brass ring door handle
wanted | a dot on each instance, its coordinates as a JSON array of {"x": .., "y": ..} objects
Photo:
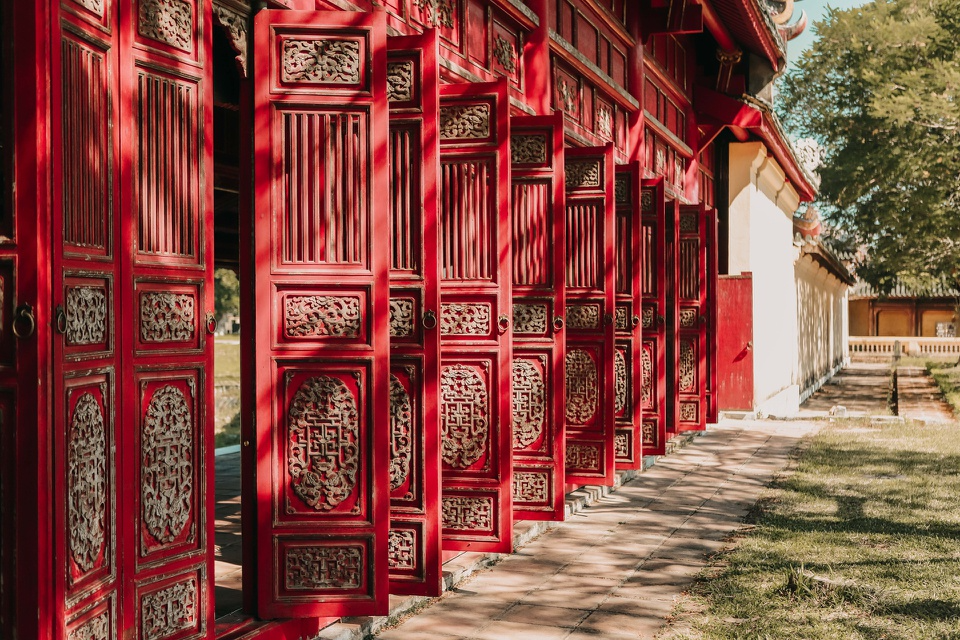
[{"x": 24, "y": 322}]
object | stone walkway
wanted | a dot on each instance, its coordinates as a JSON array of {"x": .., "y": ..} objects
[
  {"x": 920, "y": 397},
  {"x": 862, "y": 388},
  {"x": 614, "y": 570}
]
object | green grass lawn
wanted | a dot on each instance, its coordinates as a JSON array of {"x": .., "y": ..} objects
[
  {"x": 861, "y": 541},
  {"x": 226, "y": 358},
  {"x": 226, "y": 377}
]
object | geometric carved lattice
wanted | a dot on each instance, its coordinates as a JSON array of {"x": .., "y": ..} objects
[
  {"x": 580, "y": 456},
  {"x": 621, "y": 381},
  {"x": 471, "y": 514},
  {"x": 687, "y": 365},
  {"x": 312, "y": 568},
  {"x": 97, "y": 628},
  {"x": 529, "y": 403},
  {"x": 86, "y": 309},
  {"x": 312, "y": 316},
  {"x": 323, "y": 428},
  {"x": 87, "y": 482},
  {"x": 167, "y": 464},
  {"x": 402, "y": 549},
  {"x": 531, "y": 486},
  {"x": 401, "y": 433},
  {"x": 321, "y": 61},
  {"x": 583, "y": 387},
  {"x": 166, "y": 317},
  {"x": 621, "y": 445},
  {"x": 688, "y": 411},
  {"x": 165, "y": 612},
  {"x": 464, "y": 416}
]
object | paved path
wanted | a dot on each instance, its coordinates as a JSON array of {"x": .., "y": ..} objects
[
  {"x": 614, "y": 570},
  {"x": 863, "y": 388},
  {"x": 920, "y": 397}
]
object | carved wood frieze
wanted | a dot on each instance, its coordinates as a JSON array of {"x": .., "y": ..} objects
[
  {"x": 322, "y": 316},
  {"x": 96, "y": 628},
  {"x": 583, "y": 386},
  {"x": 529, "y": 403},
  {"x": 582, "y": 456},
  {"x": 505, "y": 54},
  {"x": 646, "y": 370},
  {"x": 167, "y": 21},
  {"x": 167, "y": 462},
  {"x": 567, "y": 96},
  {"x": 582, "y": 173},
  {"x": 605, "y": 121},
  {"x": 167, "y": 317},
  {"x": 583, "y": 316},
  {"x": 401, "y": 433},
  {"x": 465, "y": 319},
  {"x": 530, "y": 318},
  {"x": 320, "y": 61},
  {"x": 86, "y": 310},
  {"x": 465, "y": 122},
  {"x": 93, "y": 6},
  {"x": 402, "y": 550},
  {"x": 436, "y": 13},
  {"x": 648, "y": 432},
  {"x": 323, "y": 567},
  {"x": 323, "y": 442},
  {"x": 401, "y": 317},
  {"x": 531, "y": 486},
  {"x": 400, "y": 81},
  {"x": 235, "y": 25},
  {"x": 168, "y": 611},
  {"x": 464, "y": 416},
  {"x": 621, "y": 380},
  {"x": 687, "y": 366},
  {"x": 528, "y": 149},
  {"x": 87, "y": 482},
  {"x": 688, "y": 411},
  {"x": 467, "y": 514},
  {"x": 621, "y": 445}
]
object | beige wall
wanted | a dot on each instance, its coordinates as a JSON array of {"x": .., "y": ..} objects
[
  {"x": 929, "y": 320},
  {"x": 821, "y": 324}
]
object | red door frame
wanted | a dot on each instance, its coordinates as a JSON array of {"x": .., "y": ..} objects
[
  {"x": 692, "y": 319},
  {"x": 713, "y": 275},
  {"x": 653, "y": 394},
  {"x": 475, "y": 300},
  {"x": 590, "y": 294},
  {"x": 538, "y": 239},
  {"x": 414, "y": 543}
]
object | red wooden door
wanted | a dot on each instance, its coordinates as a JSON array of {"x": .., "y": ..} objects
[
  {"x": 412, "y": 84},
  {"x": 536, "y": 155},
  {"x": 713, "y": 275},
  {"x": 691, "y": 319},
  {"x": 589, "y": 361},
  {"x": 628, "y": 357},
  {"x": 653, "y": 358},
  {"x": 671, "y": 273},
  {"x": 475, "y": 445},
  {"x": 735, "y": 351},
  {"x": 322, "y": 291}
]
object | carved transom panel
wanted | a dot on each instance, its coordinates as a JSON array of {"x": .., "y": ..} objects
[
  {"x": 687, "y": 366},
  {"x": 531, "y": 486},
  {"x": 688, "y": 411},
  {"x": 583, "y": 316},
  {"x": 401, "y": 433},
  {"x": 96, "y": 628},
  {"x": 649, "y": 433},
  {"x": 567, "y": 96},
  {"x": 647, "y": 317},
  {"x": 530, "y": 318},
  {"x": 320, "y": 61},
  {"x": 622, "y": 318},
  {"x": 323, "y": 456},
  {"x": 530, "y": 149},
  {"x": 94, "y": 6},
  {"x": 401, "y": 317},
  {"x": 466, "y": 513},
  {"x": 582, "y": 456},
  {"x": 505, "y": 54},
  {"x": 436, "y": 13},
  {"x": 465, "y": 122},
  {"x": 167, "y": 464},
  {"x": 646, "y": 201},
  {"x": 646, "y": 369},
  {"x": 583, "y": 386},
  {"x": 582, "y": 173},
  {"x": 400, "y": 81},
  {"x": 688, "y": 223},
  {"x": 464, "y": 319},
  {"x": 529, "y": 403},
  {"x": 688, "y": 318},
  {"x": 87, "y": 482},
  {"x": 401, "y": 550},
  {"x": 621, "y": 381},
  {"x": 86, "y": 309},
  {"x": 165, "y": 612},
  {"x": 621, "y": 445},
  {"x": 167, "y": 21},
  {"x": 321, "y": 316},
  {"x": 167, "y": 317},
  {"x": 464, "y": 416},
  {"x": 621, "y": 188},
  {"x": 605, "y": 121},
  {"x": 326, "y": 567},
  {"x": 236, "y": 27}
]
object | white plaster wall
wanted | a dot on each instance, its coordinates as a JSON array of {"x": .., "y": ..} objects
[{"x": 821, "y": 324}]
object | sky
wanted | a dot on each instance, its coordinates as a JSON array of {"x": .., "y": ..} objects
[{"x": 815, "y": 9}]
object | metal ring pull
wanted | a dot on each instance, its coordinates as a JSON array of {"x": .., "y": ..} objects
[
  {"x": 61, "y": 320},
  {"x": 557, "y": 323},
  {"x": 635, "y": 320},
  {"x": 24, "y": 314},
  {"x": 211, "y": 323},
  {"x": 430, "y": 319},
  {"x": 503, "y": 322},
  {"x": 661, "y": 320},
  {"x": 608, "y": 319}
]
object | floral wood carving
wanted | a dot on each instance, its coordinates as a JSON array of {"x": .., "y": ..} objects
[
  {"x": 323, "y": 567},
  {"x": 464, "y": 319},
  {"x": 321, "y": 316},
  {"x": 464, "y": 416},
  {"x": 528, "y": 149},
  {"x": 323, "y": 440},
  {"x": 86, "y": 309},
  {"x": 687, "y": 366},
  {"x": 96, "y": 628},
  {"x": 621, "y": 446},
  {"x": 401, "y": 433},
  {"x": 529, "y": 403},
  {"x": 321, "y": 61},
  {"x": 688, "y": 318},
  {"x": 465, "y": 122},
  {"x": 582, "y": 173},
  {"x": 93, "y": 6},
  {"x": 167, "y": 21},
  {"x": 621, "y": 382},
  {"x": 166, "y": 490},
  {"x": 400, "y": 81},
  {"x": 530, "y": 318},
  {"x": 646, "y": 201},
  {"x": 401, "y": 317},
  {"x": 688, "y": 411},
  {"x": 467, "y": 514},
  {"x": 505, "y": 54},
  {"x": 165, "y": 612},
  {"x": 621, "y": 189},
  {"x": 648, "y": 431},
  {"x": 167, "y": 317},
  {"x": 583, "y": 386},
  {"x": 583, "y": 316},
  {"x": 567, "y": 96},
  {"x": 646, "y": 370},
  {"x": 622, "y": 318},
  {"x": 235, "y": 25},
  {"x": 87, "y": 482},
  {"x": 436, "y": 13},
  {"x": 605, "y": 121},
  {"x": 647, "y": 317},
  {"x": 401, "y": 550},
  {"x": 531, "y": 486}
]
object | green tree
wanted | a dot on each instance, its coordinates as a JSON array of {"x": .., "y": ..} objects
[
  {"x": 226, "y": 292},
  {"x": 879, "y": 91}
]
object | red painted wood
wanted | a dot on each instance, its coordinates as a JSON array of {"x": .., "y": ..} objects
[
  {"x": 589, "y": 360},
  {"x": 475, "y": 303},
  {"x": 538, "y": 239},
  {"x": 712, "y": 314},
  {"x": 413, "y": 85},
  {"x": 653, "y": 317},
  {"x": 671, "y": 276},
  {"x": 693, "y": 317},
  {"x": 322, "y": 291},
  {"x": 735, "y": 346},
  {"x": 628, "y": 358}
]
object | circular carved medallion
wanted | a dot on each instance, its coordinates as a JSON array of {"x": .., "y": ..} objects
[{"x": 464, "y": 416}]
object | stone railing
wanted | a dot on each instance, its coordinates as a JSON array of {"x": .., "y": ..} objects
[{"x": 907, "y": 346}]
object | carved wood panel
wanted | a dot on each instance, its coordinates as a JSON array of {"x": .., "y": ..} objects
[
  {"x": 653, "y": 317},
  {"x": 692, "y": 320}
]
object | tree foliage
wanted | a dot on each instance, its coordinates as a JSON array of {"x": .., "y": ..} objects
[
  {"x": 879, "y": 90},
  {"x": 226, "y": 292}
]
